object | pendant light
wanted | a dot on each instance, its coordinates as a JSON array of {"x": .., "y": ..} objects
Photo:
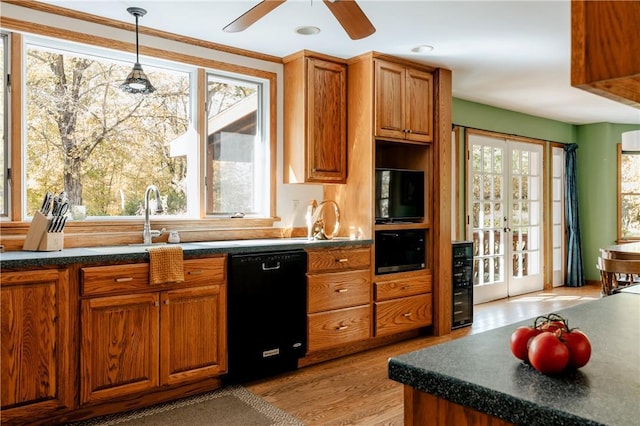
[{"x": 137, "y": 81}]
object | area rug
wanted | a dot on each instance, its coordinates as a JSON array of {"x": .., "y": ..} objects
[{"x": 231, "y": 406}]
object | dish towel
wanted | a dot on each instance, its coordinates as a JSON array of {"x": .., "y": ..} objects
[{"x": 166, "y": 264}]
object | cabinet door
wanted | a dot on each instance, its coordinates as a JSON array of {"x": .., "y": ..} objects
[
  {"x": 390, "y": 100},
  {"x": 193, "y": 333},
  {"x": 119, "y": 346},
  {"x": 326, "y": 121},
  {"x": 35, "y": 343},
  {"x": 419, "y": 106}
]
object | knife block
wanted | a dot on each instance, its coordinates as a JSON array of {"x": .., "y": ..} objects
[{"x": 38, "y": 239}]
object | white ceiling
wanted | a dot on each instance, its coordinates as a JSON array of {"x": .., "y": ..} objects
[{"x": 508, "y": 54}]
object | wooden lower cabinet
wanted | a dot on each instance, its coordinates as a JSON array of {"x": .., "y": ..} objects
[
  {"x": 339, "y": 327},
  {"x": 35, "y": 335},
  {"x": 403, "y": 302},
  {"x": 136, "y": 343},
  {"x": 193, "y": 324},
  {"x": 398, "y": 315},
  {"x": 119, "y": 346},
  {"x": 339, "y": 297}
]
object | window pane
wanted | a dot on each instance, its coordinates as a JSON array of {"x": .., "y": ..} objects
[
  {"x": 100, "y": 145},
  {"x": 630, "y": 196},
  {"x": 236, "y": 165},
  {"x": 4, "y": 124}
]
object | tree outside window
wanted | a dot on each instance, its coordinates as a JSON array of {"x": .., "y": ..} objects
[
  {"x": 628, "y": 195},
  {"x": 100, "y": 145}
]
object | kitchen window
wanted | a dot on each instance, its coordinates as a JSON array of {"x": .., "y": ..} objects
[
  {"x": 4, "y": 124},
  {"x": 237, "y": 160},
  {"x": 104, "y": 146},
  {"x": 628, "y": 195}
]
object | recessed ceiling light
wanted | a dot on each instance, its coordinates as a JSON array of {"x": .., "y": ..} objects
[
  {"x": 308, "y": 30},
  {"x": 423, "y": 48}
]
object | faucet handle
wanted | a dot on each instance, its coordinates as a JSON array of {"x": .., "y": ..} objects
[{"x": 156, "y": 233}]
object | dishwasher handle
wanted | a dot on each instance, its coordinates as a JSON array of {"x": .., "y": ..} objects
[{"x": 270, "y": 268}]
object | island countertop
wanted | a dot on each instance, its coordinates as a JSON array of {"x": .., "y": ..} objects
[{"x": 479, "y": 371}]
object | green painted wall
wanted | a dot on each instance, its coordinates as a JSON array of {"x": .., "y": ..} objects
[
  {"x": 479, "y": 116},
  {"x": 597, "y": 189},
  {"x": 597, "y": 157}
]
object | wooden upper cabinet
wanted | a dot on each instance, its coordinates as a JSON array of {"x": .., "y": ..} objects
[
  {"x": 403, "y": 102},
  {"x": 315, "y": 119},
  {"x": 35, "y": 344},
  {"x": 605, "y": 47}
]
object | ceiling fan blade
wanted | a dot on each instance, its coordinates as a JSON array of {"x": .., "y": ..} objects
[
  {"x": 351, "y": 17},
  {"x": 252, "y": 15}
]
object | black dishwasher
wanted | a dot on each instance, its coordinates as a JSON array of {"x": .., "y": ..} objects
[{"x": 267, "y": 313}]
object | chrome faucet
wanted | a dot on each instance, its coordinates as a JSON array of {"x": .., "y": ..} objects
[{"x": 147, "y": 233}]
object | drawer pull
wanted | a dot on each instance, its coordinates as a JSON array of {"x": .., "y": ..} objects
[
  {"x": 199, "y": 272},
  {"x": 407, "y": 315},
  {"x": 343, "y": 260},
  {"x": 342, "y": 290},
  {"x": 404, "y": 287},
  {"x": 123, "y": 279},
  {"x": 342, "y": 327}
]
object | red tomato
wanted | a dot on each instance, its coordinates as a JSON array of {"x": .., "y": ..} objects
[
  {"x": 520, "y": 339},
  {"x": 548, "y": 354},
  {"x": 579, "y": 347}
]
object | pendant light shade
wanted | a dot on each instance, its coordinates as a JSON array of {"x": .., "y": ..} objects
[{"x": 137, "y": 81}]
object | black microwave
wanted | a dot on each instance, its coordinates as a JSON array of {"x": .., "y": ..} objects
[{"x": 400, "y": 250}]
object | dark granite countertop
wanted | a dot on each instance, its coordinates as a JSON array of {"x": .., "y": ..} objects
[
  {"x": 137, "y": 253},
  {"x": 480, "y": 372}
]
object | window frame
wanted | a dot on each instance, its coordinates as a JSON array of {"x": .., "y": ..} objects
[
  {"x": 112, "y": 232},
  {"x": 621, "y": 237},
  {"x": 6, "y": 148}
]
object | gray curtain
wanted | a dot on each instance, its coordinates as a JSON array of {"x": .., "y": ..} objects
[{"x": 575, "y": 269}]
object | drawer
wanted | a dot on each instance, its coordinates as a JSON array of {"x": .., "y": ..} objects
[
  {"x": 339, "y": 327},
  {"x": 338, "y": 290},
  {"x": 339, "y": 259},
  {"x": 404, "y": 314},
  {"x": 393, "y": 289},
  {"x": 114, "y": 278},
  {"x": 211, "y": 270},
  {"x": 117, "y": 279}
]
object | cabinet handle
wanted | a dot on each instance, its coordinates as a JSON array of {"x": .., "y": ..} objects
[
  {"x": 343, "y": 260},
  {"x": 341, "y": 290},
  {"x": 156, "y": 303},
  {"x": 123, "y": 279},
  {"x": 342, "y": 327},
  {"x": 199, "y": 272},
  {"x": 407, "y": 315},
  {"x": 404, "y": 287}
]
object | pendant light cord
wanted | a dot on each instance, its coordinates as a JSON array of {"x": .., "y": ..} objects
[{"x": 137, "y": 43}]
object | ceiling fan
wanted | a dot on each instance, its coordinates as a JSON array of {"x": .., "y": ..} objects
[{"x": 347, "y": 12}]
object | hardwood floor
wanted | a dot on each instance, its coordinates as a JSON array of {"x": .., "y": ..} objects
[{"x": 355, "y": 389}]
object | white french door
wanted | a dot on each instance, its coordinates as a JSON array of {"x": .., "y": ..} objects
[{"x": 505, "y": 216}]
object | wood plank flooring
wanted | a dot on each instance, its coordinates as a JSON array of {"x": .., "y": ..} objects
[{"x": 355, "y": 390}]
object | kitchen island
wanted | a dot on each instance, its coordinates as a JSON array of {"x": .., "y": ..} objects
[{"x": 476, "y": 379}]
